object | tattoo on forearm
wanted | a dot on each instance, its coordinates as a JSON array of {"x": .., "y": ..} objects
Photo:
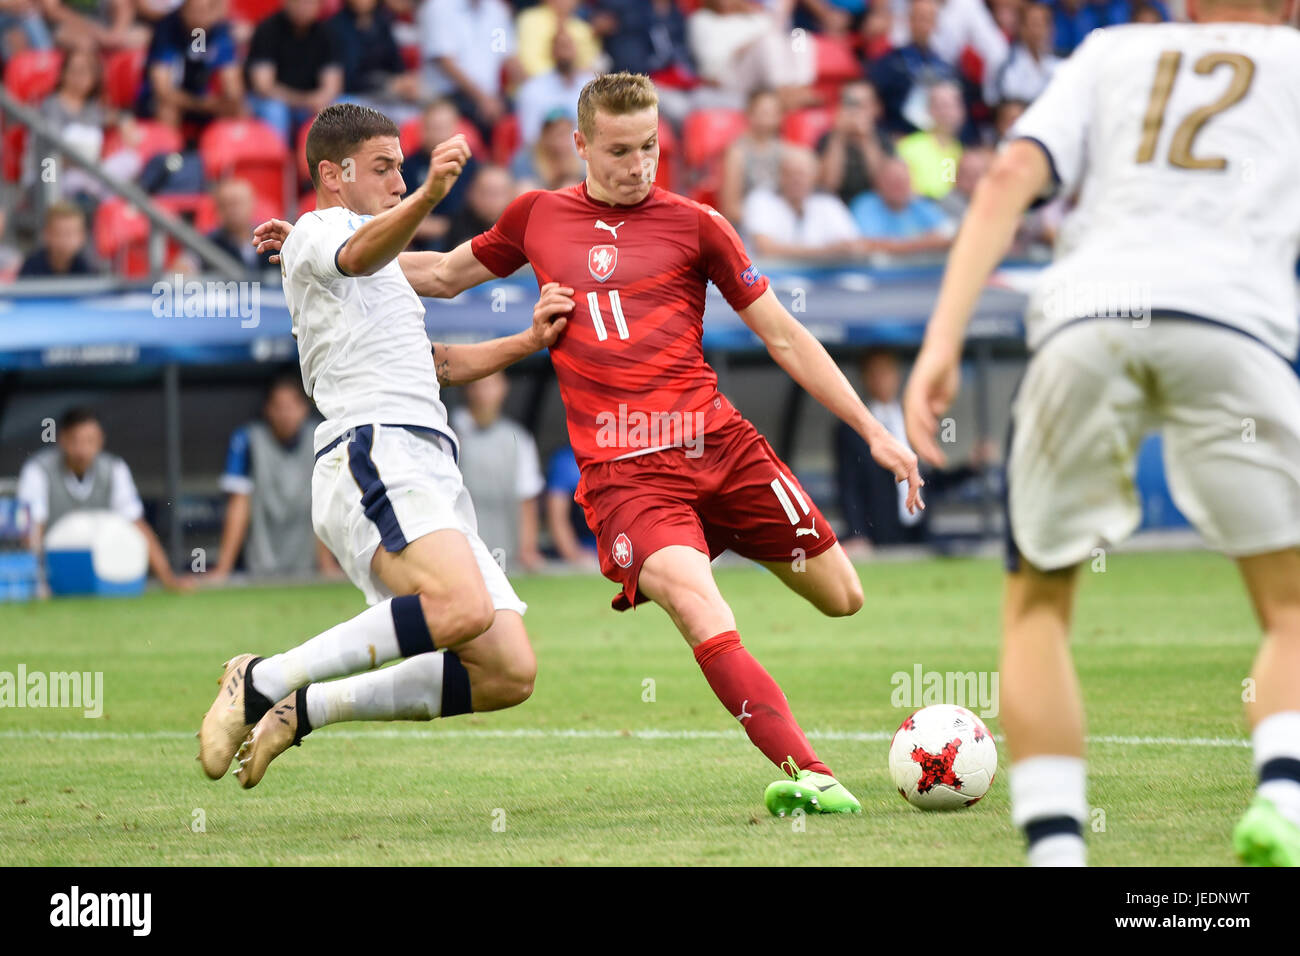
[{"x": 442, "y": 365}]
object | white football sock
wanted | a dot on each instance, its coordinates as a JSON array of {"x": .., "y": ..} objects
[
  {"x": 1277, "y": 736},
  {"x": 1043, "y": 788},
  {"x": 411, "y": 690},
  {"x": 366, "y": 641}
]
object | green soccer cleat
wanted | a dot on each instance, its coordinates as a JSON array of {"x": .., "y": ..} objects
[
  {"x": 809, "y": 792},
  {"x": 1264, "y": 837}
]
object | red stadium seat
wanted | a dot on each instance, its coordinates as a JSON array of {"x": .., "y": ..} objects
[
  {"x": 251, "y": 150},
  {"x": 196, "y": 208},
  {"x": 122, "y": 237},
  {"x": 805, "y": 127},
  {"x": 33, "y": 74},
  {"x": 123, "y": 73},
  {"x": 155, "y": 138},
  {"x": 506, "y": 139},
  {"x": 305, "y": 204},
  {"x": 304, "y": 171},
  {"x": 666, "y": 174},
  {"x": 706, "y": 134},
  {"x": 835, "y": 60},
  {"x": 253, "y": 11},
  {"x": 13, "y": 146}
]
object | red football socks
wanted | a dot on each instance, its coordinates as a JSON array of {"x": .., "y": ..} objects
[{"x": 749, "y": 693}]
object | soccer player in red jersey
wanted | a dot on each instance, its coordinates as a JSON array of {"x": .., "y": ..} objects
[{"x": 672, "y": 475}]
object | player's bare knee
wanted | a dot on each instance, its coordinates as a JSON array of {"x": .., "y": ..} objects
[{"x": 845, "y": 601}]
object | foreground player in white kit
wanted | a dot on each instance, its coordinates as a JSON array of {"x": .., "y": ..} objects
[
  {"x": 387, "y": 496},
  {"x": 1171, "y": 304}
]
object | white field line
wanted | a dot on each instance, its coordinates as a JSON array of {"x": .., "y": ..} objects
[{"x": 542, "y": 733}]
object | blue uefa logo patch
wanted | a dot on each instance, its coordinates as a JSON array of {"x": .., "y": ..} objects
[{"x": 750, "y": 275}]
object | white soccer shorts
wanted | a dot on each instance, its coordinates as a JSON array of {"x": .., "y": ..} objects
[
  {"x": 385, "y": 485},
  {"x": 1228, "y": 408}
]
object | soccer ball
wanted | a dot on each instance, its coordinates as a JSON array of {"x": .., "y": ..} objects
[{"x": 942, "y": 758}]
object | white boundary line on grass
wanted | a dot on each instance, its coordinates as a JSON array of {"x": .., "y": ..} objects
[{"x": 577, "y": 733}]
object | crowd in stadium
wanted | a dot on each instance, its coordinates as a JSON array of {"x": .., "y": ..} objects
[{"x": 825, "y": 129}]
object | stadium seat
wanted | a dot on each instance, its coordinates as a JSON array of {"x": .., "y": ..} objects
[
  {"x": 706, "y": 134},
  {"x": 835, "y": 60},
  {"x": 805, "y": 127},
  {"x": 121, "y": 234},
  {"x": 198, "y": 209},
  {"x": 411, "y": 56},
  {"x": 300, "y": 148},
  {"x": 506, "y": 139},
  {"x": 13, "y": 146},
  {"x": 123, "y": 73},
  {"x": 253, "y": 11},
  {"x": 33, "y": 74},
  {"x": 155, "y": 138},
  {"x": 306, "y": 203},
  {"x": 251, "y": 150}
]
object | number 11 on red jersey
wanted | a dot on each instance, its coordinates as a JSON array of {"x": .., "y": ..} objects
[{"x": 598, "y": 320}]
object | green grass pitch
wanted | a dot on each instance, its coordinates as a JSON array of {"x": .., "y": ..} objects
[{"x": 588, "y": 770}]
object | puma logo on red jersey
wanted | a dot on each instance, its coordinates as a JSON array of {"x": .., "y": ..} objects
[{"x": 613, "y": 230}]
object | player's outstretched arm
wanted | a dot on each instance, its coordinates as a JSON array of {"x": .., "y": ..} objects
[
  {"x": 443, "y": 275},
  {"x": 458, "y": 364},
  {"x": 804, "y": 359},
  {"x": 381, "y": 239},
  {"x": 1018, "y": 176}
]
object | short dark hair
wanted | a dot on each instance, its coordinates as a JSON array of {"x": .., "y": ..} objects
[
  {"x": 289, "y": 380},
  {"x": 77, "y": 415},
  {"x": 339, "y": 129}
]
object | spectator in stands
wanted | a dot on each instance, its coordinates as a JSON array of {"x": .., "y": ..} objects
[
  {"x": 440, "y": 122},
  {"x": 1148, "y": 13},
  {"x": 374, "y": 73},
  {"x": 466, "y": 44},
  {"x": 268, "y": 469},
  {"x": 798, "y": 223},
  {"x": 551, "y": 162},
  {"x": 874, "y": 33},
  {"x": 95, "y": 24},
  {"x": 1030, "y": 64},
  {"x": 78, "y": 475},
  {"x": 11, "y": 259},
  {"x": 739, "y": 47},
  {"x": 22, "y": 28},
  {"x": 294, "y": 67},
  {"x": 63, "y": 251},
  {"x": 486, "y": 200},
  {"x": 1075, "y": 19},
  {"x": 932, "y": 155},
  {"x": 895, "y": 220},
  {"x": 233, "y": 199},
  {"x": 499, "y": 461},
  {"x": 753, "y": 160},
  {"x": 902, "y": 75},
  {"x": 76, "y": 110},
  {"x": 872, "y": 502},
  {"x": 554, "y": 89},
  {"x": 958, "y": 25},
  {"x": 649, "y": 36},
  {"x": 536, "y": 28},
  {"x": 972, "y": 166},
  {"x": 1005, "y": 115},
  {"x": 1007, "y": 14},
  {"x": 565, "y": 521},
  {"x": 852, "y": 150},
  {"x": 187, "y": 85}
]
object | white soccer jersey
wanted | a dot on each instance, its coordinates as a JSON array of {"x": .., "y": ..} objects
[
  {"x": 362, "y": 343},
  {"x": 1182, "y": 140}
]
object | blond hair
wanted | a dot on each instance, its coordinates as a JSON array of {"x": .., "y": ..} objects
[{"x": 616, "y": 93}]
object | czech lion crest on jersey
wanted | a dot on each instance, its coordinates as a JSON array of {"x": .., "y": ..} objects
[
  {"x": 622, "y": 551},
  {"x": 601, "y": 261}
]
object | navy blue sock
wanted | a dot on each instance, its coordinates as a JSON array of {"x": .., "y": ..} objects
[
  {"x": 413, "y": 635},
  {"x": 455, "y": 686}
]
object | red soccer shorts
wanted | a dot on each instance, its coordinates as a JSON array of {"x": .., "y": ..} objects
[{"x": 736, "y": 495}]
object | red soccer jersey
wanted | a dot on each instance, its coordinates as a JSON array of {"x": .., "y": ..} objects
[{"x": 631, "y": 362}]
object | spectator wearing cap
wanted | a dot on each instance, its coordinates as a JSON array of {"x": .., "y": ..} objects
[
  {"x": 294, "y": 67},
  {"x": 536, "y": 28},
  {"x": 551, "y": 162},
  {"x": 555, "y": 89}
]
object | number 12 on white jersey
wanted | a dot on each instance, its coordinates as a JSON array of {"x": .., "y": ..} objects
[{"x": 598, "y": 320}]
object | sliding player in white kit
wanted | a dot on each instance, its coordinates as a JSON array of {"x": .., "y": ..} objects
[
  {"x": 387, "y": 495},
  {"x": 1181, "y": 140}
]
